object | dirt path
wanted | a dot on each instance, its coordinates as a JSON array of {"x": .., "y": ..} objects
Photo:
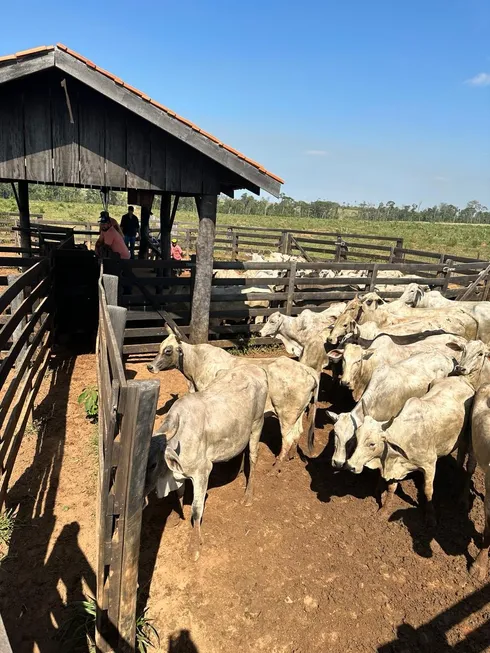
[{"x": 309, "y": 568}]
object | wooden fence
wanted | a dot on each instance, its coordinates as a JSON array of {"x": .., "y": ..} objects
[
  {"x": 126, "y": 418},
  {"x": 25, "y": 343},
  {"x": 145, "y": 291},
  {"x": 239, "y": 242}
]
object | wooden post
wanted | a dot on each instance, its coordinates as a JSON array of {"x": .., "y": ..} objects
[
  {"x": 144, "y": 231},
  {"x": 338, "y": 249},
  {"x": 399, "y": 256},
  {"x": 14, "y": 305},
  {"x": 165, "y": 209},
  {"x": 292, "y": 278},
  {"x": 447, "y": 275},
  {"x": 234, "y": 246},
  {"x": 24, "y": 215},
  {"x": 283, "y": 243},
  {"x": 188, "y": 243},
  {"x": 143, "y": 397},
  {"x": 374, "y": 275},
  {"x": 201, "y": 299}
]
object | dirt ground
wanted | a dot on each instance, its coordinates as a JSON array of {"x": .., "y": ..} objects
[{"x": 309, "y": 568}]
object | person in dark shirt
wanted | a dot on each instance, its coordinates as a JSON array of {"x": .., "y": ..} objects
[{"x": 130, "y": 227}]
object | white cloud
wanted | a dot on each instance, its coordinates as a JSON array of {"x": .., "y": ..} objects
[
  {"x": 482, "y": 79},
  {"x": 316, "y": 152}
]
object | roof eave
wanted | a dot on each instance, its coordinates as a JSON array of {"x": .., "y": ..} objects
[{"x": 17, "y": 68}]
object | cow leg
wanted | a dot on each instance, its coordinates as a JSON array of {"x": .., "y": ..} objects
[
  {"x": 253, "y": 452},
  {"x": 390, "y": 493},
  {"x": 429, "y": 474},
  {"x": 200, "y": 486},
  {"x": 470, "y": 470},
  {"x": 479, "y": 568}
]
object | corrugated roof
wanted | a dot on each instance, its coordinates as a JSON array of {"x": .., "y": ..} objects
[{"x": 47, "y": 48}]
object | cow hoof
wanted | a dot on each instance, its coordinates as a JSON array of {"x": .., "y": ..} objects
[{"x": 174, "y": 520}]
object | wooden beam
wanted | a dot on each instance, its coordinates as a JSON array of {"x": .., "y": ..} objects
[
  {"x": 144, "y": 231},
  {"x": 201, "y": 300},
  {"x": 24, "y": 215},
  {"x": 165, "y": 225},
  {"x": 174, "y": 210}
]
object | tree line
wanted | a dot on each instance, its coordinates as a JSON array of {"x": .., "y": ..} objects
[{"x": 247, "y": 204}]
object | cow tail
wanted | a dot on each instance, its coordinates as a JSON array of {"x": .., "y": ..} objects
[{"x": 312, "y": 414}]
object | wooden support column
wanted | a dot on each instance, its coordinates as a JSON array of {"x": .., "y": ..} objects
[
  {"x": 144, "y": 231},
  {"x": 201, "y": 299},
  {"x": 165, "y": 209},
  {"x": 24, "y": 215}
]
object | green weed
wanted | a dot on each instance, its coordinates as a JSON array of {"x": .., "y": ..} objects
[
  {"x": 89, "y": 398},
  {"x": 79, "y": 628},
  {"x": 7, "y": 525}
]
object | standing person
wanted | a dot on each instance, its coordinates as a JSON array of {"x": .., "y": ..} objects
[
  {"x": 176, "y": 254},
  {"x": 110, "y": 239},
  {"x": 130, "y": 227}
]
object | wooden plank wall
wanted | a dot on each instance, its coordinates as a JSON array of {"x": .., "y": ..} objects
[
  {"x": 106, "y": 145},
  {"x": 26, "y": 311}
]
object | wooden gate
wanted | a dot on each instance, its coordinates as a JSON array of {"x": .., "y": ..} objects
[{"x": 126, "y": 417}]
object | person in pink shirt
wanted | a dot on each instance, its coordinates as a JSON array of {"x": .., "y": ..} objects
[
  {"x": 176, "y": 254},
  {"x": 110, "y": 238}
]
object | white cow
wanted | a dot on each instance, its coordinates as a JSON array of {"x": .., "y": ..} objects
[
  {"x": 302, "y": 336},
  {"x": 358, "y": 364},
  {"x": 388, "y": 390},
  {"x": 293, "y": 387},
  {"x": 204, "y": 428},
  {"x": 426, "y": 429}
]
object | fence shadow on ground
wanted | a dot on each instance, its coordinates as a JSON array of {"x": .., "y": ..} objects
[
  {"x": 32, "y": 605},
  {"x": 181, "y": 643},
  {"x": 432, "y": 637}
]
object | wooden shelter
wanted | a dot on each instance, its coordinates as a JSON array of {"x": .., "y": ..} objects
[{"x": 65, "y": 121}]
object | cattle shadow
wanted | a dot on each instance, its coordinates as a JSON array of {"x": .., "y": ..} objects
[
  {"x": 432, "y": 637},
  {"x": 454, "y": 530},
  {"x": 163, "y": 410}
]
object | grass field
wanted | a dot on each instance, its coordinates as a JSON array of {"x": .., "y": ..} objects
[{"x": 461, "y": 239}]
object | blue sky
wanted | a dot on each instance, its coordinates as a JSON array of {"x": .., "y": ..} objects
[{"x": 348, "y": 101}]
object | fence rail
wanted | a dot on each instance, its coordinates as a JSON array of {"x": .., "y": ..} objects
[
  {"x": 126, "y": 417},
  {"x": 25, "y": 345},
  {"x": 240, "y": 303}
]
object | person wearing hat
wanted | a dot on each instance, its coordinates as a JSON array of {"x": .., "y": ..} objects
[
  {"x": 176, "y": 253},
  {"x": 130, "y": 226},
  {"x": 110, "y": 238},
  {"x": 114, "y": 222}
]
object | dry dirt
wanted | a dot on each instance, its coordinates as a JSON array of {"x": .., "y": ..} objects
[{"x": 309, "y": 568}]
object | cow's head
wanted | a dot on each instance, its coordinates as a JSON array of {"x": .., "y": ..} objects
[
  {"x": 345, "y": 427},
  {"x": 272, "y": 326},
  {"x": 371, "y": 301},
  {"x": 354, "y": 356},
  {"x": 413, "y": 295},
  {"x": 473, "y": 357},
  {"x": 371, "y": 441},
  {"x": 169, "y": 356}
]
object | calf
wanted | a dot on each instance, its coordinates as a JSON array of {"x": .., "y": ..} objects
[
  {"x": 426, "y": 429},
  {"x": 204, "y": 428}
]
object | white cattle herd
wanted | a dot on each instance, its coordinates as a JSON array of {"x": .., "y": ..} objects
[{"x": 418, "y": 368}]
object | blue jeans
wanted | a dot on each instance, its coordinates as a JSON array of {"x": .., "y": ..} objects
[{"x": 130, "y": 241}]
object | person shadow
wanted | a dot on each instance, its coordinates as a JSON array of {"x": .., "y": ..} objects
[{"x": 181, "y": 643}]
